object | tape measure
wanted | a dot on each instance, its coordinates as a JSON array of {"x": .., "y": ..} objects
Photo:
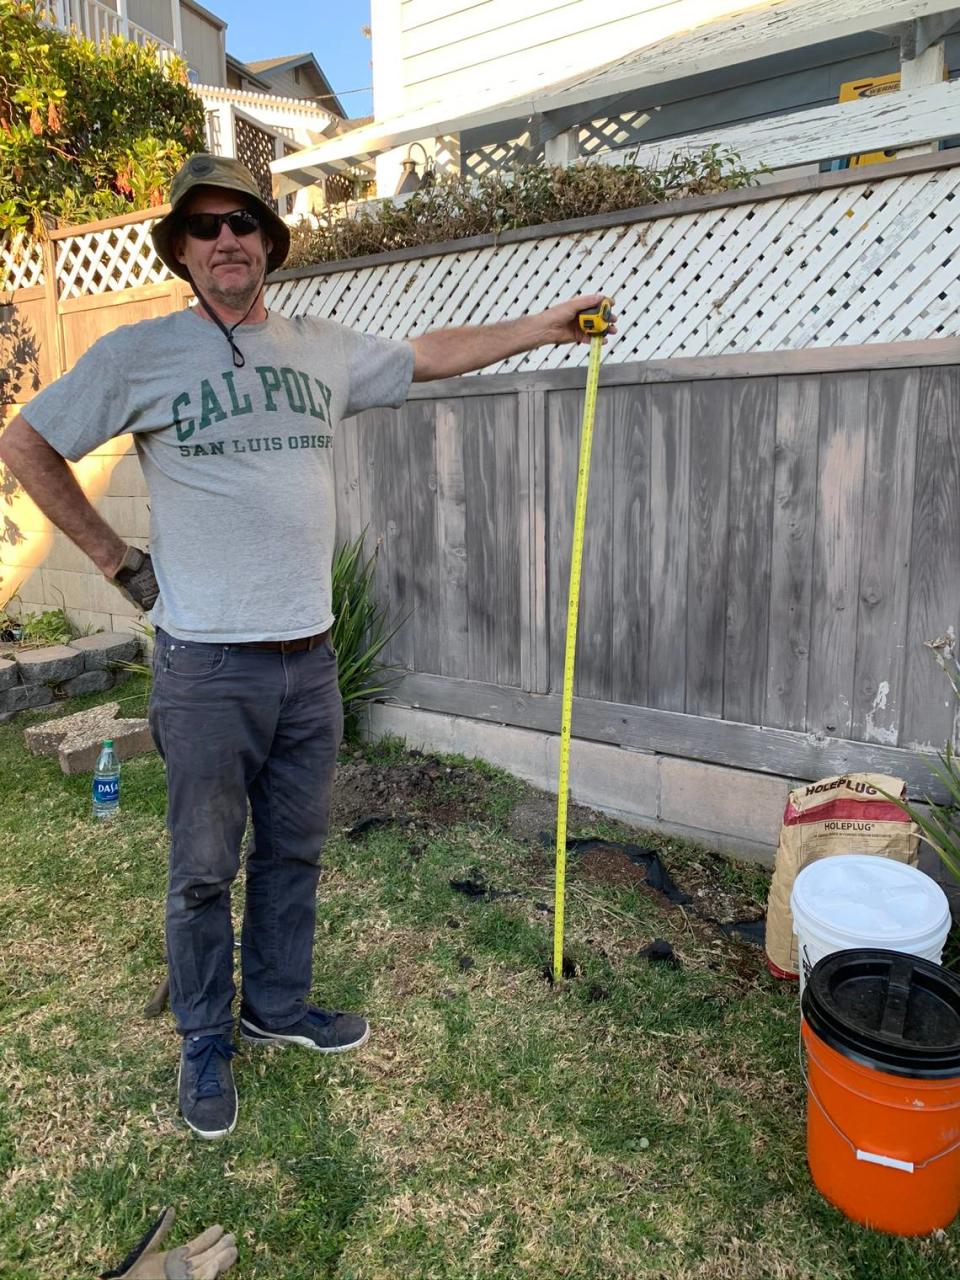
[{"x": 595, "y": 321}]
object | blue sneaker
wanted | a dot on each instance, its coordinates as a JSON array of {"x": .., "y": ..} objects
[
  {"x": 207, "y": 1094},
  {"x": 319, "y": 1029}
]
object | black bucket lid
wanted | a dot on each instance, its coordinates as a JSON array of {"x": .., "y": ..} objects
[{"x": 887, "y": 1010}]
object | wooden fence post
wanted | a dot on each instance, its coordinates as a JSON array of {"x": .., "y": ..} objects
[{"x": 51, "y": 308}]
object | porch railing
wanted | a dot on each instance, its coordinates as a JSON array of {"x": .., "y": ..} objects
[{"x": 99, "y": 22}]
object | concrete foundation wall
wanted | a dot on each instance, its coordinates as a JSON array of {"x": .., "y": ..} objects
[{"x": 733, "y": 810}]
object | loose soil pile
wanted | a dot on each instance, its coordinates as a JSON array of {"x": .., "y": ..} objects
[{"x": 427, "y": 795}]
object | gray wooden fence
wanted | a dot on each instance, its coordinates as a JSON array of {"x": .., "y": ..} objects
[{"x": 770, "y": 541}]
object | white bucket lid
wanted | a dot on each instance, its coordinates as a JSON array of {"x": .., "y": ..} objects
[{"x": 868, "y": 899}]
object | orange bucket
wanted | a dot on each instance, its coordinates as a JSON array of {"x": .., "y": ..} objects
[{"x": 882, "y": 1036}]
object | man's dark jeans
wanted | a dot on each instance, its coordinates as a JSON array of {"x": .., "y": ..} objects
[{"x": 235, "y": 724}]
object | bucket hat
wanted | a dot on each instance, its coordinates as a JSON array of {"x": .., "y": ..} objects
[{"x": 205, "y": 170}]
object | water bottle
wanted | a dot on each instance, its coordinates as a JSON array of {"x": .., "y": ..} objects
[{"x": 106, "y": 783}]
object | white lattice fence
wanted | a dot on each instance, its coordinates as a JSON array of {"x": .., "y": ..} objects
[
  {"x": 107, "y": 260},
  {"x": 21, "y": 263},
  {"x": 609, "y": 132},
  {"x": 872, "y": 262},
  {"x": 497, "y": 156},
  {"x": 256, "y": 149}
]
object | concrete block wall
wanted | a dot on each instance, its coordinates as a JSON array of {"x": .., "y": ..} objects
[{"x": 66, "y": 578}]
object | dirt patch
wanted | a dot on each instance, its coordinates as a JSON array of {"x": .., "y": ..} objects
[
  {"x": 537, "y": 812},
  {"x": 608, "y": 866},
  {"x": 425, "y": 790},
  {"x": 425, "y": 794}
]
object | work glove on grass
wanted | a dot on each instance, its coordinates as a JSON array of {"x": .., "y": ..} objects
[
  {"x": 208, "y": 1256},
  {"x": 136, "y": 580}
]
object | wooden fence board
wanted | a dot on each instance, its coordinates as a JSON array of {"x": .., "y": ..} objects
[
  {"x": 929, "y": 706},
  {"x": 837, "y": 545},
  {"x": 452, "y": 537},
  {"x": 385, "y": 446},
  {"x": 419, "y": 429},
  {"x": 710, "y": 409},
  {"x": 791, "y": 551},
  {"x": 537, "y": 542},
  {"x": 669, "y": 524},
  {"x": 885, "y": 563},
  {"x": 594, "y": 626},
  {"x": 629, "y": 414},
  {"x": 777, "y": 751},
  {"x": 753, "y": 418},
  {"x": 493, "y": 579},
  {"x": 26, "y": 352},
  {"x": 563, "y": 431}
]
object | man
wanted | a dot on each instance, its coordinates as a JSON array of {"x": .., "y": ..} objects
[{"x": 233, "y": 412}]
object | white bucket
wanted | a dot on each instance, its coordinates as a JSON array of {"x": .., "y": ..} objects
[{"x": 861, "y": 900}]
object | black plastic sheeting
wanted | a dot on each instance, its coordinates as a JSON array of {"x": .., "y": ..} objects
[
  {"x": 657, "y": 877},
  {"x": 750, "y": 931},
  {"x": 660, "y": 952}
]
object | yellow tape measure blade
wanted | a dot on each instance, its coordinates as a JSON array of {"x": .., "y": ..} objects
[{"x": 569, "y": 661}]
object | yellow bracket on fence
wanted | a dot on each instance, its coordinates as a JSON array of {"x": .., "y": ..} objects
[{"x": 573, "y": 608}]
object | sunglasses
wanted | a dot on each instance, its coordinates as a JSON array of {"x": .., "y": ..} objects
[{"x": 206, "y": 226}]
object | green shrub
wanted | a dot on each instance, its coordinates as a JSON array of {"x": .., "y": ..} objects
[
  {"x": 86, "y": 131},
  {"x": 31, "y": 630},
  {"x": 528, "y": 196}
]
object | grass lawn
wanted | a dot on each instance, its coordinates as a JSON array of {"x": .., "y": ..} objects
[{"x": 638, "y": 1121}]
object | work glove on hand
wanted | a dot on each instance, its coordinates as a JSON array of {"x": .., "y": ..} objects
[
  {"x": 136, "y": 580},
  {"x": 208, "y": 1256}
]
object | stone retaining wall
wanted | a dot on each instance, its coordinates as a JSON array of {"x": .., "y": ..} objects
[{"x": 37, "y": 677}]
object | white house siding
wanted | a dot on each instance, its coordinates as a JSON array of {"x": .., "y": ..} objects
[{"x": 450, "y": 48}]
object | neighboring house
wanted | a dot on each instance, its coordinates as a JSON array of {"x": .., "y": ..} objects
[
  {"x": 177, "y": 26},
  {"x": 258, "y": 113},
  {"x": 484, "y": 85},
  {"x": 298, "y": 75}
]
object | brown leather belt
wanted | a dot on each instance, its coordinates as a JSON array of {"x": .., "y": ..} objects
[{"x": 301, "y": 645}]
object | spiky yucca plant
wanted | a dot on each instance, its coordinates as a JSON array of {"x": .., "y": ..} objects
[
  {"x": 940, "y": 825},
  {"x": 361, "y": 631}
]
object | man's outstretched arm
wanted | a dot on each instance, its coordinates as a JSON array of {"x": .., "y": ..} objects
[{"x": 446, "y": 353}]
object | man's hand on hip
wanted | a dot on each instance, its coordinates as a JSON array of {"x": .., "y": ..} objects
[{"x": 134, "y": 578}]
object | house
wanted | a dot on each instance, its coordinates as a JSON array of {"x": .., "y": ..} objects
[
  {"x": 175, "y": 26},
  {"x": 480, "y": 86},
  {"x": 258, "y": 113},
  {"x": 298, "y": 76}
]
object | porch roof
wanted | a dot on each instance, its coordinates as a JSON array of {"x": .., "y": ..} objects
[{"x": 749, "y": 30}]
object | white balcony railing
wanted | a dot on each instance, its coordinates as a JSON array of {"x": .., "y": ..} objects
[{"x": 98, "y": 22}]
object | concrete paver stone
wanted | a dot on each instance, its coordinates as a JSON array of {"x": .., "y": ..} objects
[
  {"x": 76, "y": 739},
  {"x": 8, "y": 673}
]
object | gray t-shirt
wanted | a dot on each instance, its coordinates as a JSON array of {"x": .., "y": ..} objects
[{"x": 238, "y": 462}]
